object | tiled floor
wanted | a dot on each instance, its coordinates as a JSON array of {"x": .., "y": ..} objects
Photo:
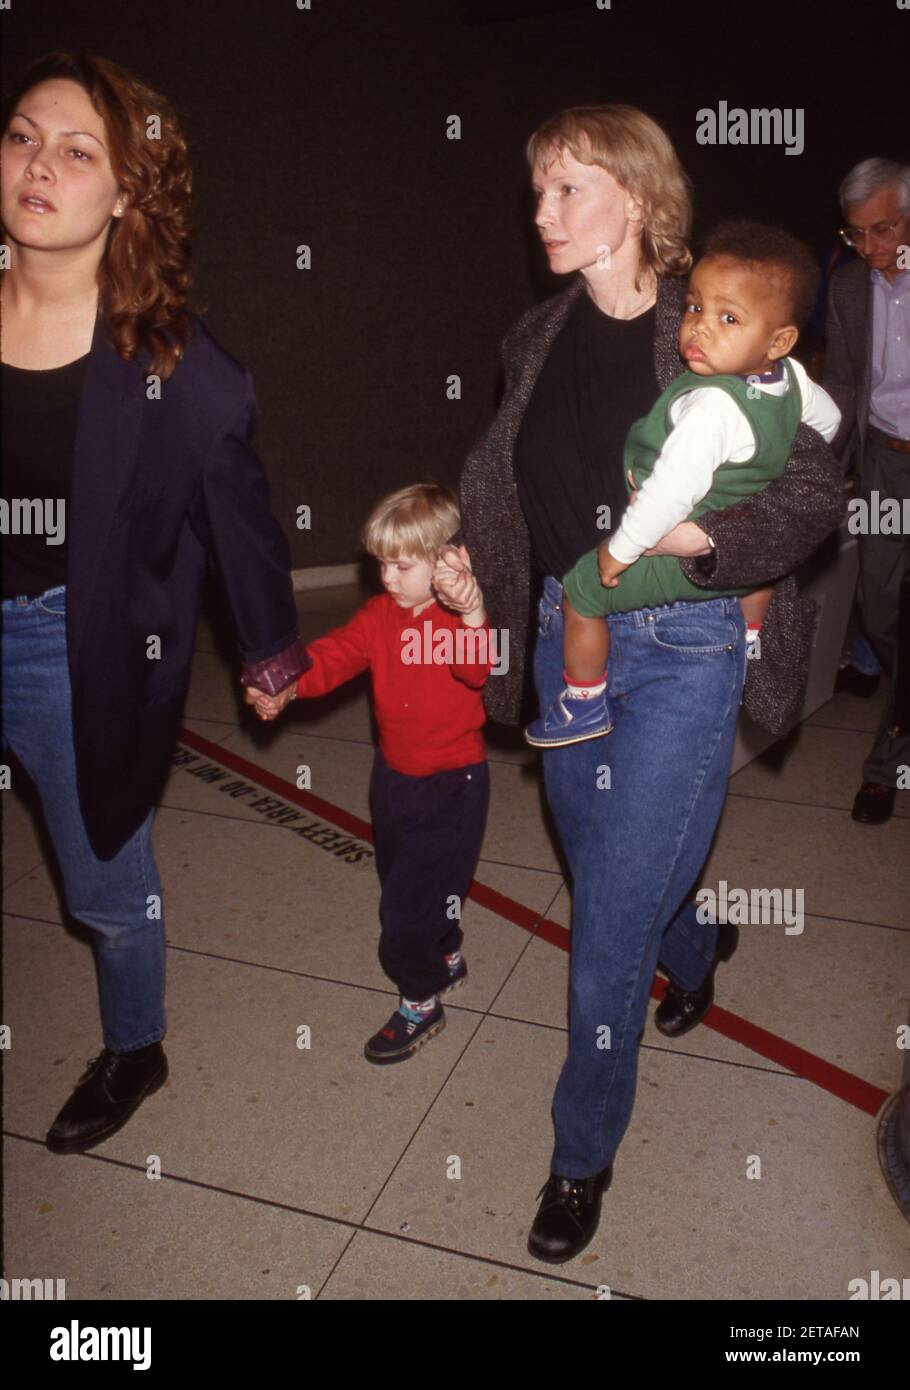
[{"x": 289, "y": 1169}]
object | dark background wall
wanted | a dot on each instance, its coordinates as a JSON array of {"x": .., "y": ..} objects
[{"x": 327, "y": 127}]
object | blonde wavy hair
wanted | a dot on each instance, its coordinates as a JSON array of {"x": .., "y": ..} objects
[
  {"x": 415, "y": 522},
  {"x": 144, "y": 275},
  {"x": 637, "y": 152}
]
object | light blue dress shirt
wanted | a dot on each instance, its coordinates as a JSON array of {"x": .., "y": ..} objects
[{"x": 889, "y": 400}]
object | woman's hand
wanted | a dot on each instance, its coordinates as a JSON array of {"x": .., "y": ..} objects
[
  {"x": 270, "y": 706},
  {"x": 686, "y": 539}
]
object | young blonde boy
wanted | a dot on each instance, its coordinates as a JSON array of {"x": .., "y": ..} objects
[{"x": 429, "y": 791}]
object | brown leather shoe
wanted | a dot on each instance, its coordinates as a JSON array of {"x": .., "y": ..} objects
[{"x": 874, "y": 804}]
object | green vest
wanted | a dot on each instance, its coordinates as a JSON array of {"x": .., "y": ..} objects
[{"x": 657, "y": 579}]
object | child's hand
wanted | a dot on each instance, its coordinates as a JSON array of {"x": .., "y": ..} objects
[
  {"x": 454, "y": 582},
  {"x": 609, "y": 568},
  {"x": 270, "y": 706}
]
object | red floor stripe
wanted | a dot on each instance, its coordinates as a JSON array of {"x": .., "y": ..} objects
[
  {"x": 835, "y": 1080},
  {"x": 286, "y": 790}
]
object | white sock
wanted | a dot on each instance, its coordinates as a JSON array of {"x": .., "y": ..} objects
[{"x": 585, "y": 692}]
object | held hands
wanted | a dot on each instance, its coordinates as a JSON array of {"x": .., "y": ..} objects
[
  {"x": 270, "y": 706},
  {"x": 453, "y": 580}
]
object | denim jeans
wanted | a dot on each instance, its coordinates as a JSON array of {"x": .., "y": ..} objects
[
  {"x": 636, "y": 812},
  {"x": 111, "y": 897}
]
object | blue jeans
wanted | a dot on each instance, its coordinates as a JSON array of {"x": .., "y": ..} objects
[
  {"x": 636, "y": 812},
  {"x": 114, "y": 898}
]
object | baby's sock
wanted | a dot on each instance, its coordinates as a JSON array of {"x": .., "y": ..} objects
[
  {"x": 453, "y": 960},
  {"x": 416, "y": 1009},
  {"x": 753, "y": 641},
  {"x": 579, "y": 690}
]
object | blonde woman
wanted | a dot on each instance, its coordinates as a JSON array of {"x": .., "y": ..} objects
[{"x": 635, "y": 812}]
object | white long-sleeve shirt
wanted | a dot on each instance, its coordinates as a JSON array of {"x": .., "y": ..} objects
[{"x": 708, "y": 429}]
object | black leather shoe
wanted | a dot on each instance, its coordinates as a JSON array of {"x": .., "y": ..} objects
[
  {"x": 567, "y": 1217},
  {"x": 849, "y": 681},
  {"x": 113, "y": 1085},
  {"x": 873, "y": 803},
  {"x": 681, "y": 1010}
]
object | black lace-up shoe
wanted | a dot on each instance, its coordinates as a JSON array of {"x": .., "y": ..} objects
[
  {"x": 873, "y": 803},
  {"x": 682, "y": 1009},
  {"x": 567, "y": 1218},
  {"x": 112, "y": 1087},
  {"x": 849, "y": 681}
]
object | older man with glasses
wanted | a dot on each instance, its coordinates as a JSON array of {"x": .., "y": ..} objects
[{"x": 867, "y": 371}]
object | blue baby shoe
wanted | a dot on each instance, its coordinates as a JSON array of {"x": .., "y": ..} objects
[{"x": 571, "y": 720}]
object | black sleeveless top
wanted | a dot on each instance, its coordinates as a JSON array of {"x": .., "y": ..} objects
[{"x": 40, "y": 411}]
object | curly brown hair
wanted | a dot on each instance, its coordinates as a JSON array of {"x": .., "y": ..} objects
[{"x": 144, "y": 274}]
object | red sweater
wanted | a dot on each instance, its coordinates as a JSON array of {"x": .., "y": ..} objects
[{"x": 430, "y": 713}]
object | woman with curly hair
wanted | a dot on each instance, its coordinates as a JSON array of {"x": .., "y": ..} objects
[
  {"x": 127, "y": 464},
  {"x": 635, "y": 812}
]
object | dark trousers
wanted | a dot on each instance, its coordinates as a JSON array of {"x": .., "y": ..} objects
[
  {"x": 883, "y": 562},
  {"x": 427, "y": 835}
]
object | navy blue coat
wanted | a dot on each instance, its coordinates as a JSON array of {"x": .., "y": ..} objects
[{"x": 158, "y": 486}]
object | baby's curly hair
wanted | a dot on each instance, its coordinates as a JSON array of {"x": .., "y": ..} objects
[{"x": 766, "y": 245}]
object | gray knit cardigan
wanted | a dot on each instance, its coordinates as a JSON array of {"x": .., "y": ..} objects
[{"x": 761, "y": 540}]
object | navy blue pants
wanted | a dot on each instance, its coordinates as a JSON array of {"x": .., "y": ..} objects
[{"x": 427, "y": 835}]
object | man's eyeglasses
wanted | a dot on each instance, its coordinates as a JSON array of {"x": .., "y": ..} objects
[{"x": 882, "y": 231}]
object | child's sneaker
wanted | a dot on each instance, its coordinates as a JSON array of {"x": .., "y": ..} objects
[
  {"x": 570, "y": 720},
  {"x": 457, "y": 967},
  {"x": 405, "y": 1031}
]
